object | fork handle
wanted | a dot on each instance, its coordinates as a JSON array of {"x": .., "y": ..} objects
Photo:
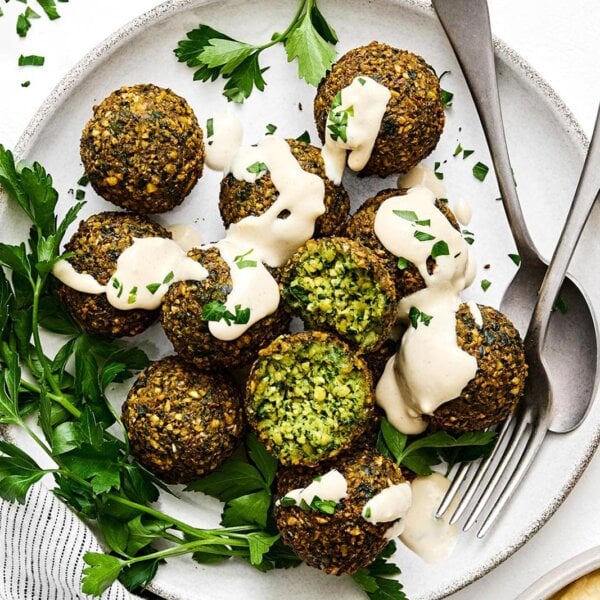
[
  {"x": 588, "y": 192},
  {"x": 467, "y": 25}
]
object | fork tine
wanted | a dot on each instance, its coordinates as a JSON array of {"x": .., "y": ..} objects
[
  {"x": 460, "y": 476},
  {"x": 522, "y": 424},
  {"x": 480, "y": 473},
  {"x": 531, "y": 449}
]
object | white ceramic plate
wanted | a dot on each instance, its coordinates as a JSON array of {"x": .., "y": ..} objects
[
  {"x": 547, "y": 150},
  {"x": 563, "y": 575}
]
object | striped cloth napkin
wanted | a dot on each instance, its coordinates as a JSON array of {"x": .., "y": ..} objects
[{"x": 41, "y": 551}]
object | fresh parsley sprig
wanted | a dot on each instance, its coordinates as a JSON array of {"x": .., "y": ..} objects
[
  {"x": 376, "y": 579},
  {"x": 421, "y": 453},
  {"x": 308, "y": 39}
]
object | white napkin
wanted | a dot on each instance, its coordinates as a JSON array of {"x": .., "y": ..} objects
[{"x": 42, "y": 544}]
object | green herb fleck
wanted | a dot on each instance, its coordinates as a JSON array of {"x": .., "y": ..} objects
[
  {"x": 26, "y": 84},
  {"x": 132, "y": 295},
  {"x": 561, "y": 305},
  {"x": 515, "y": 258},
  {"x": 467, "y": 153},
  {"x": 402, "y": 263},
  {"x": 258, "y": 168},
  {"x": 169, "y": 277},
  {"x": 422, "y": 236},
  {"x": 338, "y": 119},
  {"x": 446, "y": 98},
  {"x": 217, "y": 311},
  {"x": 415, "y": 315},
  {"x": 271, "y": 129},
  {"x": 153, "y": 287},
  {"x": 368, "y": 512},
  {"x": 440, "y": 249},
  {"x": 287, "y": 501},
  {"x": 324, "y": 506},
  {"x": 408, "y": 215},
  {"x": 480, "y": 171},
  {"x": 83, "y": 180},
  {"x": 31, "y": 60},
  {"x": 79, "y": 194},
  {"x": 436, "y": 172},
  {"x": 362, "y": 80},
  {"x": 305, "y": 137},
  {"x": 244, "y": 264},
  {"x": 49, "y": 8},
  {"x": 485, "y": 284},
  {"x": 210, "y": 127},
  {"x": 458, "y": 150}
]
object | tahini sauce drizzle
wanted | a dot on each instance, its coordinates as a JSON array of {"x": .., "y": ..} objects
[
  {"x": 184, "y": 236},
  {"x": 431, "y": 538},
  {"x": 153, "y": 261},
  {"x": 391, "y": 504},
  {"x": 463, "y": 212},
  {"x": 331, "y": 486},
  {"x": 424, "y": 176},
  {"x": 430, "y": 368},
  {"x": 224, "y": 142},
  {"x": 365, "y": 101}
]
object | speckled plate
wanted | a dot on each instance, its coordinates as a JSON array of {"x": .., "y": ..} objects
[{"x": 540, "y": 130}]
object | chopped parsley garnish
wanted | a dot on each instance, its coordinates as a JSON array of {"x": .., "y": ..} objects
[
  {"x": 338, "y": 118},
  {"x": 115, "y": 283},
  {"x": 402, "y": 263},
  {"x": 287, "y": 501},
  {"x": 132, "y": 295},
  {"x": 446, "y": 98},
  {"x": 515, "y": 258},
  {"x": 436, "y": 171},
  {"x": 26, "y": 83},
  {"x": 79, "y": 194},
  {"x": 485, "y": 284},
  {"x": 24, "y": 23},
  {"x": 468, "y": 236},
  {"x": 153, "y": 287},
  {"x": 305, "y": 137},
  {"x": 258, "y": 168},
  {"x": 422, "y": 236},
  {"x": 217, "y": 311},
  {"x": 317, "y": 505},
  {"x": 561, "y": 305},
  {"x": 467, "y": 153},
  {"x": 169, "y": 277},
  {"x": 362, "y": 80},
  {"x": 409, "y": 215},
  {"x": 368, "y": 512},
  {"x": 480, "y": 171},
  {"x": 244, "y": 264},
  {"x": 210, "y": 127},
  {"x": 271, "y": 129},
  {"x": 31, "y": 60},
  {"x": 49, "y": 7},
  {"x": 458, "y": 150},
  {"x": 415, "y": 316},
  {"x": 440, "y": 249},
  {"x": 308, "y": 39},
  {"x": 83, "y": 180}
]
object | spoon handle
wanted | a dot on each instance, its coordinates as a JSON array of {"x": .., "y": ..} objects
[
  {"x": 588, "y": 191},
  {"x": 467, "y": 25}
]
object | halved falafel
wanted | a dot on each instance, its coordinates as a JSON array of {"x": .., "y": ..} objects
[
  {"x": 361, "y": 227},
  {"x": 182, "y": 423},
  {"x": 342, "y": 542},
  {"x": 96, "y": 247},
  {"x": 239, "y": 199},
  {"x": 142, "y": 150},
  {"x": 490, "y": 397},
  {"x": 414, "y": 117},
  {"x": 308, "y": 397},
  {"x": 181, "y": 318},
  {"x": 339, "y": 285}
]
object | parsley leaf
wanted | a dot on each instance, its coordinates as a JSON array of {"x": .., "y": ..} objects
[
  {"x": 242, "y": 263},
  {"x": 305, "y": 138},
  {"x": 402, "y": 263},
  {"x": 217, "y": 311},
  {"x": 440, "y": 249},
  {"x": 515, "y": 258},
  {"x": 258, "y": 168},
  {"x": 375, "y": 579},
  {"x": 101, "y": 573},
  {"x": 31, "y": 60},
  {"x": 480, "y": 171},
  {"x": 415, "y": 315},
  {"x": 409, "y": 215},
  {"x": 18, "y": 472},
  {"x": 422, "y": 236},
  {"x": 485, "y": 284}
]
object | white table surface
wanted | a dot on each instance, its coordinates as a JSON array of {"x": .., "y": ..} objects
[{"x": 559, "y": 39}]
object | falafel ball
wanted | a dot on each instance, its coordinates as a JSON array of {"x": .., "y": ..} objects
[
  {"x": 182, "y": 423},
  {"x": 239, "y": 199},
  {"x": 142, "y": 150},
  {"x": 490, "y": 397},
  {"x": 96, "y": 247},
  {"x": 181, "y": 318},
  {"x": 339, "y": 285},
  {"x": 308, "y": 397},
  {"x": 361, "y": 227},
  {"x": 342, "y": 542},
  {"x": 414, "y": 117}
]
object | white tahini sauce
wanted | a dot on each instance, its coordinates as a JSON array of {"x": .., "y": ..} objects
[
  {"x": 290, "y": 220},
  {"x": 424, "y": 176},
  {"x": 463, "y": 212},
  {"x": 391, "y": 504},
  {"x": 224, "y": 142},
  {"x": 144, "y": 272},
  {"x": 430, "y": 368},
  {"x": 363, "y": 105},
  {"x": 184, "y": 236},
  {"x": 431, "y": 538},
  {"x": 253, "y": 287},
  {"x": 331, "y": 486},
  {"x": 475, "y": 312}
]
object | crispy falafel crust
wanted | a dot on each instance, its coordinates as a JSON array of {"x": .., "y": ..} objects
[
  {"x": 182, "y": 423},
  {"x": 181, "y": 318},
  {"x": 343, "y": 542},
  {"x": 96, "y": 247},
  {"x": 361, "y": 227},
  {"x": 490, "y": 397},
  {"x": 414, "y": 118},
  {"x": 239, "y": 199},
  {"x": 142, "y": 150},
  {"x": 309, "y": 397},
  {"x": 325, "y": 283}
]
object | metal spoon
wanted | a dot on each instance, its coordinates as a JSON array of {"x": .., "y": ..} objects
[{"x": 574, "y": 334}]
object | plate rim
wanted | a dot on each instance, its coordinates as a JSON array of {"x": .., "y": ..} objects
[{"x": 169, "y": 8}]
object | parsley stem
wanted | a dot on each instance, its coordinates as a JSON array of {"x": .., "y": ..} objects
[{"x": 294, "y": 22}]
